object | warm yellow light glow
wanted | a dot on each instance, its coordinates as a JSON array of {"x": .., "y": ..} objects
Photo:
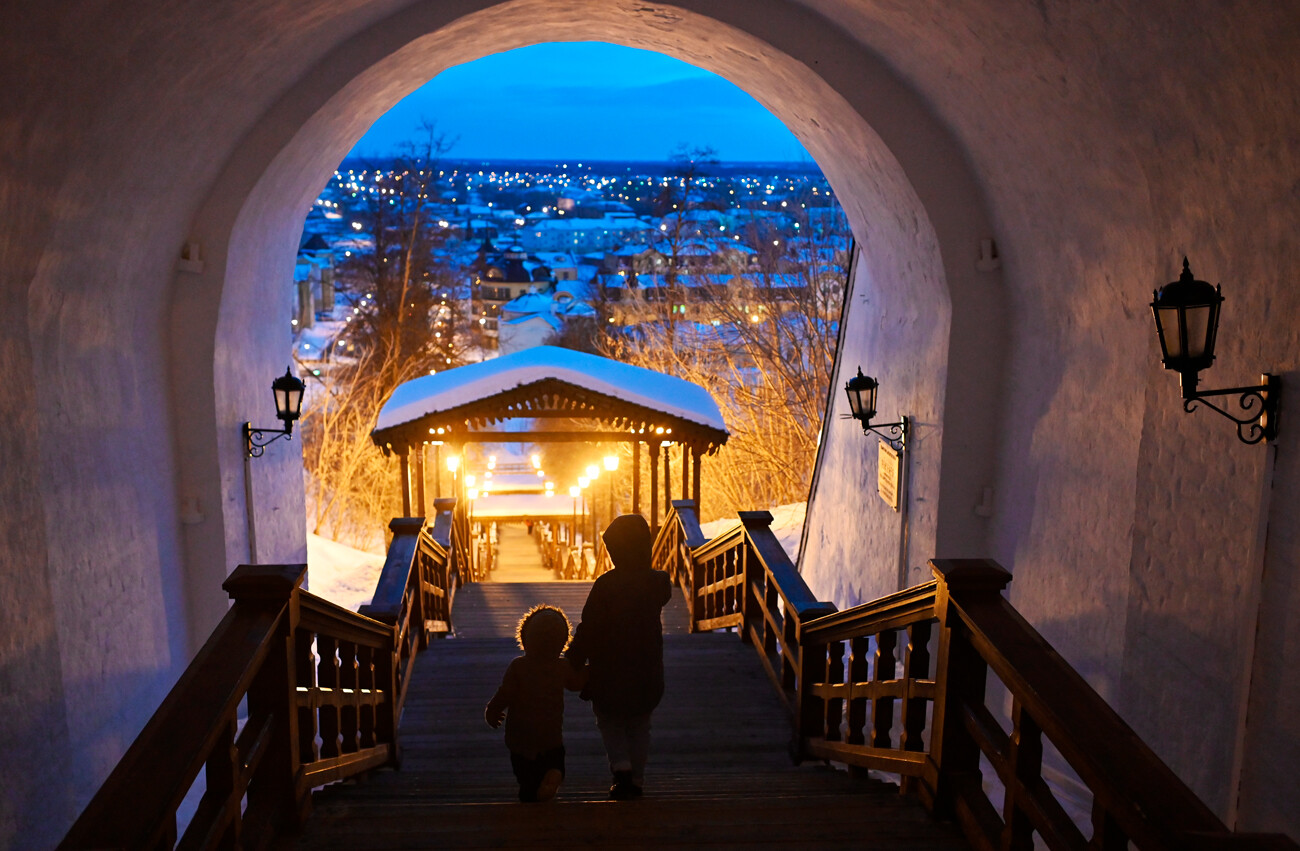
[
  {"x": 592, "y": 471},
  {"x": 573, "y": 492},
  {"x": 611, "y": 462},
  {"x": 470, "y": 481},
  {"x": 492, "y": 462},
  {"x": 541, "y": 473},
  {"x": 550, "y": 486},
  {"x": 537, "y": 461},
  {"x": 583, "y": 481},
  {"x": 473, "y": 493},
  {"x": 453, "y": 463}
]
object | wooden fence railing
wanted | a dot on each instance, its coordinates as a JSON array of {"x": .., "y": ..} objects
[
  {"x": 570, "y": 562},
  {"x": 289, "y": 692},
  {"x": 898, "y": 685}
]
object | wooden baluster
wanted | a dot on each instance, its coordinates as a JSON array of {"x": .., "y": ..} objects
[
  {"x": 882, "y": 708},
  {"x": 750, "y": 591},
  {"x": 349, "y": 722},
  {"x": 1106, "y": 832},
  {"x": 387, "y": 665},
  {"x": 834, "y": 706},
  {"x": 858, "y": 673},
  {"x": 789, "y": 647},
  {"x": 1026, "y": 759},
  {"x": 327, "y": 675},
  {"x": 304, "y": 667},
  {"x": 730, "y": 599},
  {"x": 811, "y": 709},
  {"x": 771, "y": 606},
  {"x": 366, "y": 683},
  {"x": 221, "y": 771},
  {"x": 916, "y": 666}
]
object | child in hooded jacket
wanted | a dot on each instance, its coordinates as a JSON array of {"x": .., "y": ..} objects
[
  {"x": 621, "y": 636},
  {"x": 531, "y": 701}
]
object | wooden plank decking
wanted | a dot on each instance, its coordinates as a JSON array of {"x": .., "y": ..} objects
[{"x": 719, "y": 775}]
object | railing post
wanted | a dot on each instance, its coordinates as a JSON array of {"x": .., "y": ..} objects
[
  {"x": 273, "y": 793},
  {"x": 960, "y": 676}
]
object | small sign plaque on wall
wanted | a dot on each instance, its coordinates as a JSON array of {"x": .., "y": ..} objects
[{"x": 888, "y": 468}]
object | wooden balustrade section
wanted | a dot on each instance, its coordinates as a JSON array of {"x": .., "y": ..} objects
[
  {"x": 289, "y": 692},
  {"x": 898, "y": 685}
]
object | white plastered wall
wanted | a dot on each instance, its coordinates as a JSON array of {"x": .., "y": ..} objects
[{"x": 1082, "y": 137}]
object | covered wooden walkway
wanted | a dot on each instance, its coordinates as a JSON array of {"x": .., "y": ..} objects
[{"x": 720, "y": 773}]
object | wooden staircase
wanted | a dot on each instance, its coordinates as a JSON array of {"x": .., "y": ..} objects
[
  {"x": 720, "y": 773},
  {"x": 292, "y": 693}
]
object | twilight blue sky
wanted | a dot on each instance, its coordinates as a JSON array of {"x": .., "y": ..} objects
[{"x": 585, "y": 101}]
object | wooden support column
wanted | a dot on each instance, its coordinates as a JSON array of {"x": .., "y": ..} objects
[
  {"x": 636, "y": 477},
  {"x": 437, "y": 471},
  {"x": 668, "y": 480},
  {"x": 686, "y": 472},
  {"x": 404, "y": 470},
  {"x": 654, "y": 486},
  {"x": 419, "y": 480},
  {"x": 697, "y": 455}
]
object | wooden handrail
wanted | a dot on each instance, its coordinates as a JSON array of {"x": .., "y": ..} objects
[
  {"x": 323, "y": 689},
  {"x": 898, "y": 685}
]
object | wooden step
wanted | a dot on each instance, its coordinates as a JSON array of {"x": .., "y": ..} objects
[{"x": 719, "y": 773}]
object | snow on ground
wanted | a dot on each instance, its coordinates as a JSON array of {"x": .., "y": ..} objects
[
  {"x": 787, "y": 525},
  {"x": 340, "y": 574}
]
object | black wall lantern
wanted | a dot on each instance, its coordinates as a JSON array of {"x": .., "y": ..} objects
[
  {"x": 1186, "y": 312},
  {"x": 861, "y": 390},
  {"x": 288, "y": 392}
]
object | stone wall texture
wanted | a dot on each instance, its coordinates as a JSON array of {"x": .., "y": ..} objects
[{"x": 1097, "y": 142}]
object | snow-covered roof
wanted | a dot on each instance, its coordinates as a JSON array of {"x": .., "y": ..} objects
[{"x": 464, "y": 385}]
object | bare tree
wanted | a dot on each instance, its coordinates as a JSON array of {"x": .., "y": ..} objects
[
  {"x": 763, "y": 345},
  {"x": 406, "y": 321}
]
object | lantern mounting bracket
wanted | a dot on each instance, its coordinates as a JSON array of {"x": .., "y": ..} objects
[
  {"x": 256, "y": 439},
  {"x": 1258, "y": 406},
  {"x": 898, "y": 430}
]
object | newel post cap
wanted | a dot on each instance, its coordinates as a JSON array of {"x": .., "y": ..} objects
[
  {"x": 970, "y": 574},
  {"x": 406, "y": 525},
  {"x": 755, "y": 519},
  {"x": 264, "y": 582}
]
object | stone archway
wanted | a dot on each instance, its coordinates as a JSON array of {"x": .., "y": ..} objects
[{"x": 909, "y": 197}]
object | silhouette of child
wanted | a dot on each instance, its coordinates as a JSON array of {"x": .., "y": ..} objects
[
  {"x": 531, "y": 700},
  {"x": 622, "y": 637}
]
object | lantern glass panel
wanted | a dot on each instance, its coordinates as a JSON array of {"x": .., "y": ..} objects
[
  {"x": 1170, "y": 332},
  {"x": 1199, "y": 328}
]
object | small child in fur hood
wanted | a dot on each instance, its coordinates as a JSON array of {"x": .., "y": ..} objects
[{"x": 531, "y": 701}]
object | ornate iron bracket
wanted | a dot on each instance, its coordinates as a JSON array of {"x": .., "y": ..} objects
[
  {"x": 256, "y": 439},
  {"x": 899, "y": 431},
  {"x": 1258, "y": 405}
]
